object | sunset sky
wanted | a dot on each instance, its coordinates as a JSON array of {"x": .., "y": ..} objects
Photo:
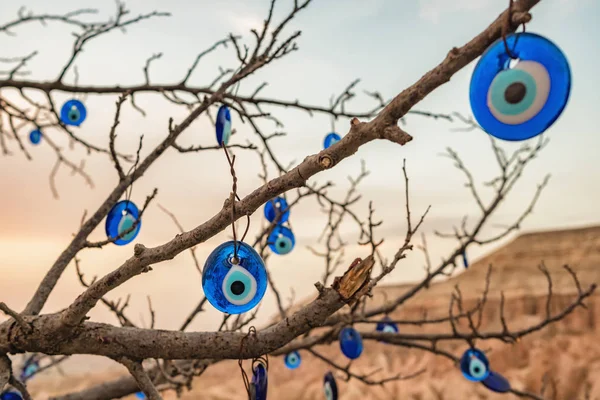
[{"x": 389, "y": 44}]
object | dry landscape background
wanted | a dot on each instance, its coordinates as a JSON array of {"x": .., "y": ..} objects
[{"x": 567, "y": 352}]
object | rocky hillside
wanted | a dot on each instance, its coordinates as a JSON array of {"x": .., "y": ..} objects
[{"x": 566, "y": 355}]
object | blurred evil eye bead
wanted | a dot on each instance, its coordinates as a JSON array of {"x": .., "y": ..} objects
[
  {"x": 278, "y": 204},
  {"x": 121, "y": 218},
  {"x": 331, "y": 139},
  {"x": 223, "y": 125},
  {"x": 234, "y": 286},
  {"x": 281, "y": 240},
  {"x": 35, "y": 136},
  {"x": 330, "y": 387},
  {"x": 520, "y": 101},
  {"x": 292, "y": 360},
  {"x": 351, "y": 343},
  {"x": 474, "y": 365},
  {"x": 11, "y": 395},
  {"x": 73, "y": 113},
  {"x": 29, "y": 370},
  {"x": 259, "y": 383},
  {"x": 140, "y": 395},
  {"x": 386, "y": 325},
  {"x": 496, "y": 383}
]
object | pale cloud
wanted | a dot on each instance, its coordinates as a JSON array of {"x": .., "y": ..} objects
[{"x": 432, "y": 10}]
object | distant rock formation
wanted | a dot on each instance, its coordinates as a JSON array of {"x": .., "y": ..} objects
[{"x": 567, "y": 353}]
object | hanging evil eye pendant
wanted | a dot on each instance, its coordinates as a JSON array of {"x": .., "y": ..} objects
[
  {"x": 11, "y": 395},
  {"x": 29, "y": 370},
  {"x": 351, "y": 343},
  {"x": 464, "y": 258},
  {"x": 474, "y": 365},
  {"x": 35, "y": 137},
  {"x": 281, "y": 240},
  {"x": 330, "y": 139},
  {"x": 292, "y": 360},
  {"x": 259, "y": 384},
  {"x": 521, "y": 101},
  {"x": 496, "y": 383},
  {"x": 73, "y": 113},
  {"x": 278, "y": 204},
  {"x": 330, "y": 387},
  {"x": 223, "y": 125},
  {"x": 120, "y": 218},
  {"x": 234, "y": 286},
  {"x": 386, "y": 325}
]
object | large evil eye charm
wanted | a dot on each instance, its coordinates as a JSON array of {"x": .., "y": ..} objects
[
  {"x": 35, "y": 137},
  {"x": 386, "y": 325},
  {"x": 73, "y": 113},
  {"x": 281, "y": 240},
  {"x": 234, "y": 287},
  {"x": 496, "y": 383},
  {"x": 522, "y": 101},
  {"x": 292, "y": 360},
  {"x": 351, "y": 343},
  {"x": 474, "y": 365},
  {"x": 11, "y": 395},
  {"x": 278, "y": 204},
  {"x": 120, "y": 218},
  {"x": 258, "y": 386},
  {"x": 223, "y": 125},
  {"x": 330, "y": 387},
  {"x": 330, "y": 139}
]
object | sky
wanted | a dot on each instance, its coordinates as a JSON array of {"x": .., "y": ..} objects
[{"x": 388, "y": 44}]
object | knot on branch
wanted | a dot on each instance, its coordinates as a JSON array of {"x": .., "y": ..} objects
[
  {"x": 139, "y": 249},
  {"x": 395, "y": 134},
  {"x": 326, "y": 161},
  {"x": 354, "y": 282}
]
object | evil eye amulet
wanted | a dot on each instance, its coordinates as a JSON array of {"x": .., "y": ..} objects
[
  {"x": 223, "y": 125},
  {"x": 387, "y": 326},
  {"x": 35, "y": 137},
  {"x": 474, "y": 365},
  {"x": 330, "y": 387},
  {"x": 231, "y": 287},
  {"x": 292, "y": 360},
  {"x": 281, "y": 240},
  {"x": 140, "y": 395},
  {"x": 11, "y": 395},
  {"x": 331, "y": 139},
  {"x": 259, "y": 382},
  {"x": 520, "y": 102},
  {"x": 73, "y": 113},
  {"x": 120, "y": 218},
  {"x": 29, "y": 370},
  {"x": 496, "y": 383},
  {"x": 351, "y": 343},
  {"x": 275, "y": 205}
]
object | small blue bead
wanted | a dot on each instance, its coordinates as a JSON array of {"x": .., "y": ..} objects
[
  {"x": 330, "y": 387},
  {"x": 73, "y": 113},
  {"x": 281, "y": 240},
  {"x": 474, "y": 365},
  {"x": 223, "y": 125},
  {"x": 117, "y": 223},
  {"x": 331, "y": 139},
  {"x": 259, "y": 381},
  {"x": 277, "y": 203},
  {"x": 35, "y": 137},
  {"x": 292, "y": 360},
  {"x": 351, "y": 343}
]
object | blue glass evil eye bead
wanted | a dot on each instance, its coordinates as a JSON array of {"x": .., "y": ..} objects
[
  {"x": 223, "y": 125},
  {"x": 11, "y": 395},
  {"x": 280, "y": 204},
  {"x": 35, "y": 137},
  {"x": 292, "y": 360},
  {"x": 259, "y": 384},
  {"x": 234, "y": 288},
  {"x": 330, "y": 139},
  {"x": 120, "y": 218},
  {"x": 330, "y": 387},
  {"x": 281, "y": 240},
  {"x": 474, "y": 365},
  {"x": 29, "y": 370},
  {"x": 520, "y": 102},
  {"x": 386, "y": 325},
  {"x": 496, "y": 383},
  {"x": 464, "y": 258},
  {"x": 73, "y": 113},
  {"x": 351, "y": 343},
  {"x": 140, "y": 395}
]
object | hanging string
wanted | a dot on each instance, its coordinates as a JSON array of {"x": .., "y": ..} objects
[
  {"x": 251, "y": 331},
  {"x": 506, "y": 28},
  {"x": 234, "y": 196}
]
